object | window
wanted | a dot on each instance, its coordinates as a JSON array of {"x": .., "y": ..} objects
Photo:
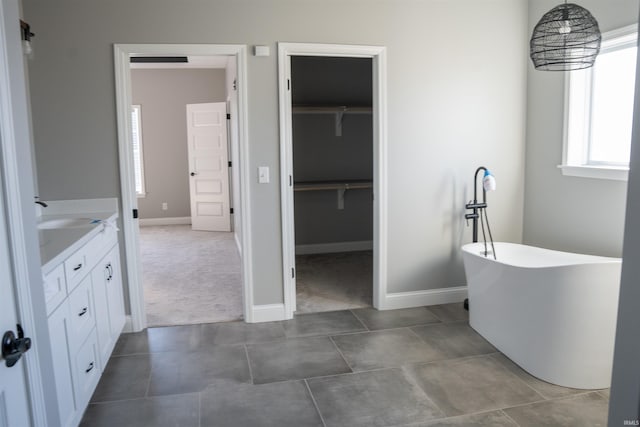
[
  {"x": 136, "y": 142},
  {"x": 599, "y": 110}
]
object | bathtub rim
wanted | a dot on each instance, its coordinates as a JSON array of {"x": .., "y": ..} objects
[{"x": 577, "y": 258}]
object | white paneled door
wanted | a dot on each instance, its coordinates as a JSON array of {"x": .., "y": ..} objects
[
  {"x": 14, "y": 406},
  {"x": 208, "y": 166}
]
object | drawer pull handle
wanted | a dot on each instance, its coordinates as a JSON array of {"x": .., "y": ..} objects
[
  {"x": 82, "y": 312},
  {"x": 77, "y": 267},
  {"x": 89, "y": 369}
]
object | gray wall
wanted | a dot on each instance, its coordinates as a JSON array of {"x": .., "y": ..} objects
[
  {"x": 454, "y": 102},
  {"x": 163, "y": 95},
  {"x": 320, "y": 155},
  {"x": 561, "y": 212}
]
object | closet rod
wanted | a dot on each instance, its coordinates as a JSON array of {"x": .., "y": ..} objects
[{"x": 332, "y": 185}]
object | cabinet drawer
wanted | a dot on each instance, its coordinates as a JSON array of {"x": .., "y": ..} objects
[
  {"x": 76, "y": 267},
  {"x": 82, "y": 313},
  {"x": 86, "y": 369},
  {"x": 55, "y": 288}
]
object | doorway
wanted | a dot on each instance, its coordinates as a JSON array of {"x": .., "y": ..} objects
[
  {"x": 332, "y": 145},
  {"x": 333, "y": 188},
  {"x": 190, "y": 263},
  {"x": 211, "y": 250}
]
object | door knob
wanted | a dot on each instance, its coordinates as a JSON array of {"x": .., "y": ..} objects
[
  {"x": 193, "y": 174},
  {"x": 13, "y": 347}
]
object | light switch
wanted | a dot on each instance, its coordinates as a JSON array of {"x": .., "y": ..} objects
[{"x": 263, "y": 174}]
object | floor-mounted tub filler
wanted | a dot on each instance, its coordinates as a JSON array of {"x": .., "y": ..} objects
[{"x": 553, "y": 313}]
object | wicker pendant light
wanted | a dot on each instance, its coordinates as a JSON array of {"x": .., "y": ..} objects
[{"x": 566, "y": 38}]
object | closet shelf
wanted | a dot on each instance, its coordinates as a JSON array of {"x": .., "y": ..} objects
[
  {"x": 329, "y": 109},
  {"x": 338, "y": 110},
  {"x": 332, "y": 185},
  {"x": 340, "y": 187}
]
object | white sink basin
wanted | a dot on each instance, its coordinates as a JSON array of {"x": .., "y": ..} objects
[{"x": 48, "y": 224}]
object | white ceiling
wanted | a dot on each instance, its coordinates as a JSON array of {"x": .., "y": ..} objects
[{"x": 194, "y": 62}]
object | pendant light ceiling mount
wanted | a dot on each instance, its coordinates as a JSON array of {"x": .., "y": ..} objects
[{"x": 566, "y": 38}]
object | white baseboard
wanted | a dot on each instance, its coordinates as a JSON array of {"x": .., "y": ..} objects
[
  {"x": 145, "y": 222},
  {"x": 268, "y": 313},
  {"x": 128, "y": 324},
  {"x": 327, "y": 248},
  {"x": 421, "y": 298}
]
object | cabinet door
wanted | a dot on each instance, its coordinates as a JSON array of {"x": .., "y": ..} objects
[
  {"x": 114, "y": 294},
  {"x": 59, "y": 332},
  {"x": 103, "y": 330},
  {"x": 107, "y": 290}
]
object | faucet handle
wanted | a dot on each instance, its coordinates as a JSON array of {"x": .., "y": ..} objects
[{"x": 38, "y": 202}]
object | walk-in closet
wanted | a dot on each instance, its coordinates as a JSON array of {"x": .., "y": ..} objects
[{"x": 333, "y": 182}]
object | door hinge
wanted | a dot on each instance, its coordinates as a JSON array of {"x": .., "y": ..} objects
[
  {"x": 228, "y": 116},
  {"x": 288, "y": 84},
  {"x": 235, "y": 84},
  {"x": 229, "y": 164},
  {"x": 135, "y": 213},
  {"x": 231, "y": 210},
  {"x": 293, "y": 273},
  {"x": 290, "y": 180}
]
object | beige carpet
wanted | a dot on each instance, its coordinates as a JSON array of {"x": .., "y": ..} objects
[
  {"x": 190, "y": 276},
  {"x": 339, "y": 281}
]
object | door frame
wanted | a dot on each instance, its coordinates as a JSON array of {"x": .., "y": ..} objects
[
  {"x": 379, "y": 69},
  {"x": 17, "y": 192},
  {"x": 122, "y": 53}
]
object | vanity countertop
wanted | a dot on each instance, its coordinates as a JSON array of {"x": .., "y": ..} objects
[{"x": 57, "y": 244}]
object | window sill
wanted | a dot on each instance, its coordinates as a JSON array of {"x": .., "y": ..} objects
[
  {"x": 598, "y": 172},
  {"x": 141, "y": 195}
]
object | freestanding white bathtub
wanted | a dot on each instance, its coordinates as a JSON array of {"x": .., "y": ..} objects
[{"x": 553, "y": 313}]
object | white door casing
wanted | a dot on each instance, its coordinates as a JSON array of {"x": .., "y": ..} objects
[
  {"x": 379, "y": 67},
  {"x": 122, "y": 67},
  {"x": 208, "y": 166},
  {"x": 20, "y": 275},
  {"x": 14, "y": 407}
]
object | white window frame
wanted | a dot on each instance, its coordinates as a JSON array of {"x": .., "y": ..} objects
[
  {"x": 143, "y": 191},
  {"x": 575, "y": 152}
]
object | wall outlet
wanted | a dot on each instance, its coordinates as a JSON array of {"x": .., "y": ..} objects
[{"x": 165, "y": 206}]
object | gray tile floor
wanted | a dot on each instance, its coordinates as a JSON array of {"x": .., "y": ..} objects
[{"x": 413, "y": 367}]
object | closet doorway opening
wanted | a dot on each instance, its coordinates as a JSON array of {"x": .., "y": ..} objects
[
  {"x": 333, "y": 176},
  {"x": 181, "y": 167}
]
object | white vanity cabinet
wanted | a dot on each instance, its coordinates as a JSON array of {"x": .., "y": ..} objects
[
  {"x": 107, "y": 294},
  {"x": 86, "y": 316}
]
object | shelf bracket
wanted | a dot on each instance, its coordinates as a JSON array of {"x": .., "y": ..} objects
[
  {"x": 341, "y": 192},
  {"x": 339, "y": 118}
]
